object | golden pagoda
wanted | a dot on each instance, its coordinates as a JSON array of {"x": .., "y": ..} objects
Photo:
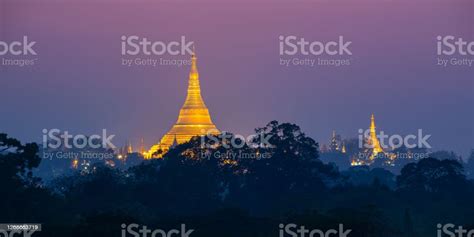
[
  {"x": 193, "y": 119},
  {"x": 373, "y": 140}
]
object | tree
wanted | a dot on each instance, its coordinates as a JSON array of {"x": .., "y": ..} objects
[
  {"x": 432, "y": 175},
  {"x": 17, "y": 162},
  {"x": 470, "y": 165},
  {"x": 446, "y": 155},
  {"x": 23, "y": 198},
  {"x": 407, "y": 224},
  {"x": 291, "y": 179}
]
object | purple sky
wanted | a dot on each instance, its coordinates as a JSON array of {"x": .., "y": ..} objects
[{"x": 80, "y": 85}]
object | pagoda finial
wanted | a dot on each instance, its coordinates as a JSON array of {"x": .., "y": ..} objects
[
  {"x": 193, "y": 74},
  {"x": 193, "y": 57},
  {"x": 372, "y": 121}
]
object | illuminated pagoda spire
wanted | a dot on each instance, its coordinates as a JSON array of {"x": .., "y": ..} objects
[
  {"x": 129, "y": 148},
  {"x": 142, "y": 146},
  {"x": 334, "y": 145},
  {"x": 373, "y": 140},
  {"x": 193, "y": 119}
]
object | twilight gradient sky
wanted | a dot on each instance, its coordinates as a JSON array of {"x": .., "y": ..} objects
[{"x": 79, "y": 83}]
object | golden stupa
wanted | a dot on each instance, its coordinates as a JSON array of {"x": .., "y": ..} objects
[
  {"x": 193, "y": 120},
  {"x": 373, "y": 140}
]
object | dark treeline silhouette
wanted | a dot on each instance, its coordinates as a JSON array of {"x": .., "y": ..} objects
[{"x": 220, "y": 190}]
